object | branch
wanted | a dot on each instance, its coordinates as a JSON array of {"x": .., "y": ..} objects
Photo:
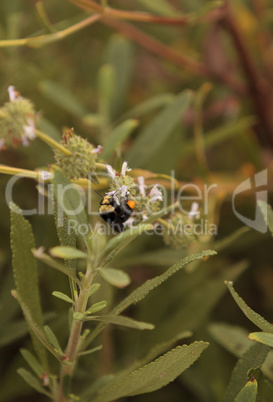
[{"x": 89, "y": 5}]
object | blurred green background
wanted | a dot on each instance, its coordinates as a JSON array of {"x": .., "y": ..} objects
[{"x": 92, "y": 80}]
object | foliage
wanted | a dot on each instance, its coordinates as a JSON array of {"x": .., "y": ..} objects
[{"x": 163, "y": 104}]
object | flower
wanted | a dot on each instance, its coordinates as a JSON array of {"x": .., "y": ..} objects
[
  {"x": 141, "y": 185},
  {"x": 155, "y": 194},
  {"x": 13, "y": 94},
  {"x": 119, "y": 180},
  {"x": 194, "y": 213},
  {"x": 125, "y": 169},
  {"x": 17, "y": 120},
  {"x": 97, "y": 150},
  {"x": 45, "y": 175},
  {"x": 82, "y": 160}
]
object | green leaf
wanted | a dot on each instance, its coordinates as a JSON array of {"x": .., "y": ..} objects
[
  {"x": 117, "y": 137},
  {"x": 90, "y": 351},
  {"x": 154, "y": 375},
  {"x": 232, "y": 338},
  {"x": 119, "y": 56},
  {"x": 151, "y": 104},
  {"x": 122, "y": 321},
  {"x": 94, "y": 288},
  {"x": 151, "y": 284},
  {"x": 115, "y": 277},
  {"x": 33, "y": 382},
  {"x": 61, "y": 97},
  {"x": 63, "y": 296},
  {"x": 39, "y": 253},
  {"x": 66, "y": 238},
  {"x": 52, "y": 338},
  {"x": 147, "y": 287},
  {"x": 117, "y": 243},
  {"x": 157, "y": 132},
  {"x": 221, "y": 134},
  {"x": 36, "y": 329},
  {"x": 32, "y": 362},
  {"x": 97, "y": 307},
  {"x": 262, "y": 337},
  {"x": 78, "y": 316},
  {"x": 107, "y": 84},
  {"x": 248, "y": 312},
  {"x": 71, "y": 204},
  {"x": 253, "y": 358},
  {"x": 248, "y": 393},
  {"x": 25, "y": 272},
  {"x": 67, "y": 252},
  {"x": 267, "y": 214},
  {"x": 227, "y": 241}
]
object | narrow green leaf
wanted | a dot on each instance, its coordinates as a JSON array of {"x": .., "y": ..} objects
[
  {"x": 32, "y": 362},
  {"x": 33, "y": 382},
  {"x": 25, "y": 272},
  {"x": 153, "y": 353},
  {"x": 143, "y": 290},
  {"x": 67, "y": 252},
  {"x": 107, "y": 84},
  {"x": 36, "y": 329},
  {"x": 151, "y": 104},
  {"x": 66, "y": 238},
  {"x": 39, "y": 253},
  {"x": 71, "y": 204},
  {"x": 119, "y": 55},
  {"x": 52, "y": 338},
  {"x": 262, "y": 337},
  {"x": 158, "y": 131},
  {"x": 232, "y": 338},
  {"x": 90, "y": 351},
  {"x": 94, "y": 288},
  {"x": 117, "y": 243},
  {"x": 117, "y": 137},
  {"x": 78, "y": 316},
  {"x": 231, "y": 239},
  {"x": 61, "y": 97},
  {"x": 97, "y": 307},
  {"x": 154, "y": 375},
  {"x": 253, "y": 358},
  {"x": 147, "y": 287},
  {"x": 122, "y": 321},
  {"x": 115, "y": 277},
  {"x": 248, "y": 393},
  {"x": 63, "y": 296},
  {"x": 248, "y": 312},
  {"x": 267, "y": 214},
  {"x": 221, "y": 134}
]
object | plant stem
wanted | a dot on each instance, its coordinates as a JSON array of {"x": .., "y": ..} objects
[
  {"x": 51, "y": 142},
  {"x": 259, "y": 88},
  {"x": 74, "y": 337},
  {"x": 52, "y": 37},
  {"x": 20, "y": 172}
]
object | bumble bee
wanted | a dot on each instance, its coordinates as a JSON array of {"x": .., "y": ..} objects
[{"x": 116, "y": 212}]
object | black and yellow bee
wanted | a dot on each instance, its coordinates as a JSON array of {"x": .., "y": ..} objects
[{"x": 116, "y": 212}]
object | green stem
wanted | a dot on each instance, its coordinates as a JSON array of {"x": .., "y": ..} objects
[
  {"x": 164, "y": 223},
  {"x": 52, "y": 37},
  {"x": 51, "y": 142},
  {"x": 75, "y": 333},
  {"x": 21, "y": 172}
]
